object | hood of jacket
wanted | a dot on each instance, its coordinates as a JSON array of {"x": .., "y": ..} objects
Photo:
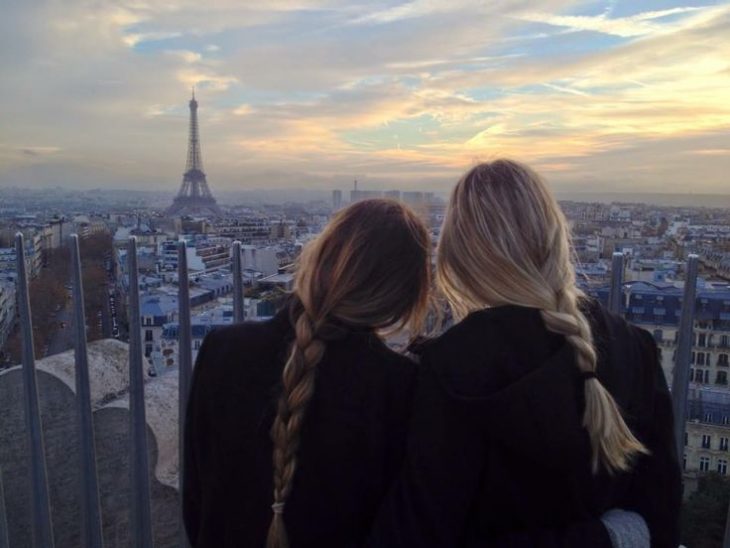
[{"x": 521, "y": 380}]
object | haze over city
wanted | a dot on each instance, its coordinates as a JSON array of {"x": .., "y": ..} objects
[{"x": 599, "y": 96}]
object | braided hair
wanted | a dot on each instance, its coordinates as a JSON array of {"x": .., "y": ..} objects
[
  {"x": 506, "y": 241},
  {"x": 369, "y": 268}
]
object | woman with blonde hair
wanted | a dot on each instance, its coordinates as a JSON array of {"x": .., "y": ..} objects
[
  {"x": 296, "y": 426},
  {"x": 540, "y": 419}
]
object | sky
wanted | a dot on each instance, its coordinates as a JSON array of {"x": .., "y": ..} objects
[{"x": 621, "y": 96}]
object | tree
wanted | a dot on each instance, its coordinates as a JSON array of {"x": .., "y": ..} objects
[{"x": 705, "y": 512}]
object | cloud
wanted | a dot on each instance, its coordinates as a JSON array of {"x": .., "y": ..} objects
[
  {"x": 38, "y": 151},
  {"x": 188, "y": 56},
  {"x": 640, "y": 24},
  {"x": 204, "y": 79},
  {"x": 723, "y": 152},
  {"x": 410, "y": 10},
  {"x": 567, "y": 90},
  {"x": 133, "y": 39},
  {"x": 398, "y": 94},
  {"x": 242, "y": 110}
]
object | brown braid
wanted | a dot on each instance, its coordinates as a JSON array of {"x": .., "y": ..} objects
[
  {"x": 368, "y": 268},
  {"x": 298, "y": 387}
]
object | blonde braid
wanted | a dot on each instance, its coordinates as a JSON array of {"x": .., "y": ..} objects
[
  {"x": 502, "y": 219},
  {"x": 614, "y": 445},
  {"x": 298, "y": 387}
]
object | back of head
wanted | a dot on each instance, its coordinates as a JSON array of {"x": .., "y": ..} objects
[
  {"x": 369, "y": 268},
  {"x": 504, "y": 241}
]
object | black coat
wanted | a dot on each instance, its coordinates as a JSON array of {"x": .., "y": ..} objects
[
  {"x": 352, "y": 441},
  {"x": 497, "y": 455}
]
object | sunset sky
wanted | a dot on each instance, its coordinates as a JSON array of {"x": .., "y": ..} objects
[{"x": 598, "y": 96}]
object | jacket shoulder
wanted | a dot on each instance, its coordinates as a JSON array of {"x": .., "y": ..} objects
[
  {"x": 251, "y": 335},
  {"x": 237, "y": 350}
]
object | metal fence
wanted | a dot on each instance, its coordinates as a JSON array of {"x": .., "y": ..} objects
[{"x": 139, "y": 501}]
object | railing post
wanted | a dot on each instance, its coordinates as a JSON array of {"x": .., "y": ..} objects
[
  {"x": 91, "y": 531},
  {"x": 139, "y": 496},
  {"x": 617, "y": 278},
  {"x": 42, "y": 527},
  {"x": 680, "y": 377},
  {"x": 185, "y": 361},
  {"x": 237, "y": 282},
  {"x": 4, "y": 538}
]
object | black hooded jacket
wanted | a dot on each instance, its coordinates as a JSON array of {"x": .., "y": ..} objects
[
  {"x": 352, "y": 439},
  {"x": 497, "y": 454}
]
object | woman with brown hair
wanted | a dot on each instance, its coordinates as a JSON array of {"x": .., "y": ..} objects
[
  {"x": 296, "y": 426},
  {"x": 540, "y": 419}
]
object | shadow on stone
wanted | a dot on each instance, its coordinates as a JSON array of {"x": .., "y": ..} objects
[{"x": 108, "y": 371}]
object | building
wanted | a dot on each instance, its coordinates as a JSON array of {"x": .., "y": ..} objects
[
  {"x": 336, "y": 199},
  {"x": 418, "y": 201},
  {"x": 204, "y": 254},
  {"x": 357, "y": 195},
  {"x": 59, "y": 228},
  {"x": 283, "y": 230},
  {"x": 587, "y": 248},
  {"x": 155, "y": 310},
  {"x": 209, "y": 256},
  {"x": 282, "y": 280},
  {"x": 166, "y": 354},
  {"x": 33, "y": 244},
  {"x": 260, "y": 259},
  {"x": 7, "y": 310},
  {"x": 656, "y": 307},
  {"x": 249, "y": 230}
]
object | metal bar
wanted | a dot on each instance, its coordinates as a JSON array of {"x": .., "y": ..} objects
[
  {"x": 91, "y": 531},
  {"x": 41, "y": 507},
  {"x": 680, "y": 377},
  {"x": 185, "y": 360},
  {"x": 237, "y": 282},
  {"x": 726, "y": 539},
  {"x": 140, "y": 512},
  {"x": 617, "y": 278},
  {"x": 4, "y": 535}
]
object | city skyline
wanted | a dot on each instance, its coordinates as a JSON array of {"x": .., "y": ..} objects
[{"x": 598, "y": 96}]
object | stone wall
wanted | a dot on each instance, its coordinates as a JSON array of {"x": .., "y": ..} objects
[{"x": 108, "y": 369}]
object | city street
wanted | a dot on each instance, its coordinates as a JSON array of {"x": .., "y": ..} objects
[{"x": 62, "y": 339}]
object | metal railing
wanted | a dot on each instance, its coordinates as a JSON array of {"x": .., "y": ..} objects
[
  {"x": 140, "y": 506},
  {"x": 91, "y": 534},
  {"x": 141, "y": 534},
  {"x": 40, "y": 501}
]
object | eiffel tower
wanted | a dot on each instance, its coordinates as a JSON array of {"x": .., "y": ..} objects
[{"x": 194, "y": 197}]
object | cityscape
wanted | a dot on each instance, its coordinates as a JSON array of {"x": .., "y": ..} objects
[
  {"x": 655, "y": 241},
  {"x": 617, "y": 106}
]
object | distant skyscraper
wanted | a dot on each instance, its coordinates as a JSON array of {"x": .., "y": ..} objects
[
  {"x": 357, "y": 195},
  {"x": 393, "y": 194},
  {"x": 336, "y": 199},
  {"x": 414, "y": 198},
  {"x": 194, "y": 197}
]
